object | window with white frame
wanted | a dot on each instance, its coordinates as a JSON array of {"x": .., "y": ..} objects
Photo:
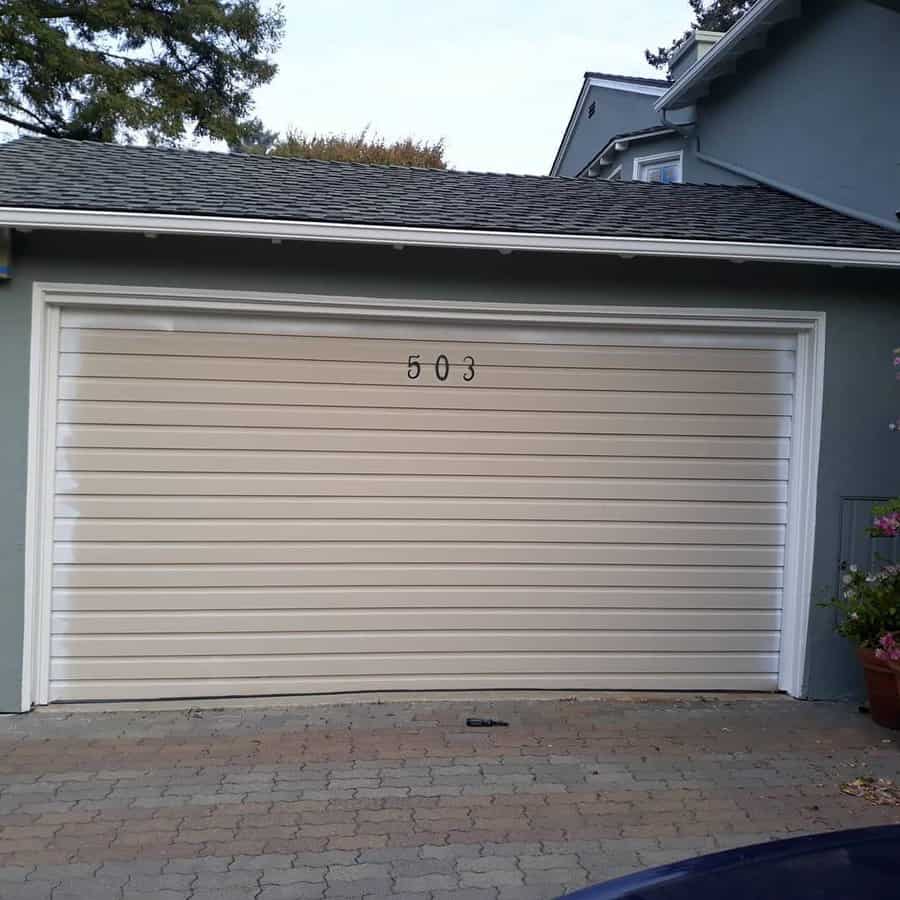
[{"x": 662, "y": 168}]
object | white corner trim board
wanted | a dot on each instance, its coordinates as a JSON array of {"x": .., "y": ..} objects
[
  {"x": 804, "y": 329},
  {"x": 277, "y": 229}
]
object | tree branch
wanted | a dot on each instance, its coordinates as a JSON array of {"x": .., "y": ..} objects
[{"x": 27, "y": 126}]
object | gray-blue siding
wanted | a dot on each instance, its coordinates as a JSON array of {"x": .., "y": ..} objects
[
  {"x": 816, "y": 110},
  {"x": 859, "y": 456},
  {"x": 617, "y": 112},
  {"x": 695, "y": 171}
]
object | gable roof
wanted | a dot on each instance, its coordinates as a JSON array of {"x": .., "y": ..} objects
[
  {"x": 627, "y": 136},
  {"x": 636, "y": 84},
  {"x": 47, "y": 182}
]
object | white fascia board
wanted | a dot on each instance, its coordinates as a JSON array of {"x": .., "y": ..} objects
[
  {"x": 759, "y": 15},
  {"x": 630, "y": 86},
  {"x": 277, "y": 229}
]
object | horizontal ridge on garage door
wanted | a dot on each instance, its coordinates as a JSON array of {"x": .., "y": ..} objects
[
  {"x": 82, "y": 529},
  {"x": 225, "y": 415},
  {"x": 123, "y": 507},
  {"x": 391, "y": 575},
  {"x": 338, "y": 349},
  {"x": 521, "y": 600},
  {"x": 279, "y": 440},
  {"x": 81, "y": 648},
  {"x": 373, "y": 463},
  {"x": 477, "y": 618},
  {"x": 395, "y": 374},
  {"x": 189, "y": 485},
  {"x": 134, "y": 390},
  {"x": 404, "y": 553},
  {"x": 410, "y": 663}
]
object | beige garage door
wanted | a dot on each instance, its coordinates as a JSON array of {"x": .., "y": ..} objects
[{"x": 277, "y": 505}]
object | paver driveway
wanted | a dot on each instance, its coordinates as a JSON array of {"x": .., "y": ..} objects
[{"x": 401, "y": 799}]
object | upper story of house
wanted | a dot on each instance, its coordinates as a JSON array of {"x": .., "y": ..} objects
[{"x": 800, "y": 96}]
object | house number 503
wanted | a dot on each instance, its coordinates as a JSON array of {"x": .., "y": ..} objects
[{"x": 442, "y": 367}]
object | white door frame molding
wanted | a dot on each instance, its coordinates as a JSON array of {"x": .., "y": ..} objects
[{"x": 49, "y": 298}]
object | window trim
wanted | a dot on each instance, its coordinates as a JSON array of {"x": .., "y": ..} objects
[{"x": 674, "y": 155}]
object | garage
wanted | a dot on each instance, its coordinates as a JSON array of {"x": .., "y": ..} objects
[{"x": 257, "y": 503}]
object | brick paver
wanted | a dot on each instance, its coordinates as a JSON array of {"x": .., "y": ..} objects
[{"x": 400, "y": 799}]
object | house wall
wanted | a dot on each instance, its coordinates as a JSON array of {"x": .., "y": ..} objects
[
  {"x": 617, "y": 112},
  {"x": 817, "y": 109},
  {"x": 859, "y": 455},
  {"x": 696, "y": 171}
]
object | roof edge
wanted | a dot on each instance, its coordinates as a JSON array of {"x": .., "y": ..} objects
[
  {"x": 760, "y": 16},
  {"x": 399, "y": 236},
  {"x": 627, "y": 137}
]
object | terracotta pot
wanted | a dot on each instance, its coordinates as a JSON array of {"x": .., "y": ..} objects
[{"x": 883, "y": 686}]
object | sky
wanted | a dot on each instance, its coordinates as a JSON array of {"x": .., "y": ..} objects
[{"x": 496, "y": 79}]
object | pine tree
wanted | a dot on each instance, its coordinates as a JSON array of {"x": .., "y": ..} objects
[{"x": 107, "y": 70}]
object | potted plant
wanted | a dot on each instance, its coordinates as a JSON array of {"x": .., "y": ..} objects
[{"x": 868, "y": 608}]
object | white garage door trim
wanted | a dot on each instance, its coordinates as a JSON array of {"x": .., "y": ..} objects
[{"x": 49, "y": 298}]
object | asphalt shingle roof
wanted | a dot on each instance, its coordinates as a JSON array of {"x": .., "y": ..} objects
[{"x": 62, "y": 174}]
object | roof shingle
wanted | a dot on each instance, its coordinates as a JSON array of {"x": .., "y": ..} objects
[{"x": 44, "y": 173}]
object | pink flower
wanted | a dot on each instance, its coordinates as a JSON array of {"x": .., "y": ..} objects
[
  {"x": 889, "y": 649},
  {"x": 887, "y": 526}
]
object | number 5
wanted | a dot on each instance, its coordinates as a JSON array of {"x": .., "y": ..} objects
[{"x": 414, "y": 367}]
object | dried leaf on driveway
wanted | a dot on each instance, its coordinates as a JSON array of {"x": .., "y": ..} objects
[{"x": 880, "y": 791}]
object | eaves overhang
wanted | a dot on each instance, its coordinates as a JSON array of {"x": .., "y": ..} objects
[
  {"x": 279, "y": 230},
  {"x": 749, "y": 33}
]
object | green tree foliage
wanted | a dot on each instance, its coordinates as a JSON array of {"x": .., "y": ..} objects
[
  {"x": 357, "y": 148},
  {"x": 719, "y": 15},
  {"x": 107, "y": 70}
]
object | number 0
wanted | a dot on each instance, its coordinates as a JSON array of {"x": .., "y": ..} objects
[{"x": 441, "y": 368}]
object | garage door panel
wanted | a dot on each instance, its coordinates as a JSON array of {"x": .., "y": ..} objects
[
  {"x": 80, "y": 530},
  {"x": 337, "y": 349},
  {"x": 124, "y": 507},
  {"x": 315, "y": 623},
  {"x": 91, "y": 413},
  {"x": 421, "y": 575},
  {"x": 150, "y": 689},
  {"x": 483, "y": 487},
  {"x": 276, "y": 440},
  {"x": 411, "y": 663},
  {"x": 691, "y": 604},
  {"x": 80, "y": 648},
  {"x": 396, "y": 374},
  {"x": 409, "y": 552},
  {"x": 270, "y": 505},
  {"x": 364, "y": 396},
  {"x": 374, "y": 463}
]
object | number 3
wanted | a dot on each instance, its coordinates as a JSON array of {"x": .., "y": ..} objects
[
  {"x": 414, "y": 367},
  {"x": 470, "y": 371}
]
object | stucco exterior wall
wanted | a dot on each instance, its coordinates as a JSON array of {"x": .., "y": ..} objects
[
  {"x": 816, "y": 110},
  {"x": 860, "y": 457},
  {"x": 695, "y": 171},
  {"x": 617, "y": 112}
]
